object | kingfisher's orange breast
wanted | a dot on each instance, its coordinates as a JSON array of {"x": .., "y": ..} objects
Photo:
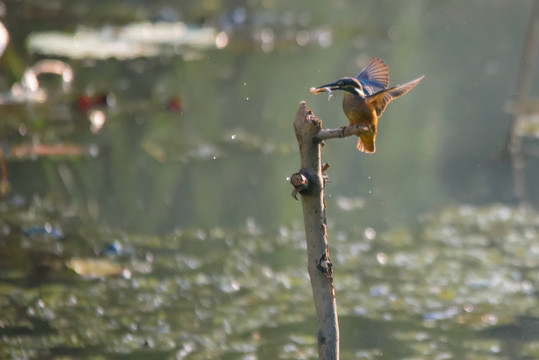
[{"x": 357, "y": 111}]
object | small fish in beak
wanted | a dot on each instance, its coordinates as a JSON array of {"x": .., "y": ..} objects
[{"x": 322, "y": 89}]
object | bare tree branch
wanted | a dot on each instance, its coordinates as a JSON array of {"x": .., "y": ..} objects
[
  {"x": 345, "y": 131},
  {"x": 523, "y": 90},
  {"x": 309, "y": 183}
]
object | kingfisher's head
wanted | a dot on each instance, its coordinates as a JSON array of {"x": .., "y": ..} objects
[{"x": 348, "y": 84}]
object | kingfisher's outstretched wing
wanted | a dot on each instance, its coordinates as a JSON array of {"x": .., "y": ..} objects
[
  {"x": 374, "y": 77},
  {"x": 384, "y": 97}
]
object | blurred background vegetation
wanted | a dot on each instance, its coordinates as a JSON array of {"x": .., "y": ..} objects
[{"x": 145, "y": 207}]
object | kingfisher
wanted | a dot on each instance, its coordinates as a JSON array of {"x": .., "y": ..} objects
[{"x": 366, "y": 97}]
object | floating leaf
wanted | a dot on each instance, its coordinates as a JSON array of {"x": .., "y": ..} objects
[{"x": 97, "y": 268}]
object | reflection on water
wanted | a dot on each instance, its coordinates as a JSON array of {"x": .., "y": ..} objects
[
  {"x": 132, "y": 41},
  {"x": 456, "y": 284},
  {"x": 146, "y": 211}
]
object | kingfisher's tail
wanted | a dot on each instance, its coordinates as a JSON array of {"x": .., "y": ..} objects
[{"x": 365, "y": 143}]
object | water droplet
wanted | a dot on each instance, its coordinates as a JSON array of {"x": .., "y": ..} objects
[
  {"x": 71, "y": 300},
  {"x": 97, "y": 120},
  {"x": 303, "y": 37},
  {"x": 126, "y": 273},
  {"x": 221, "y": 40},
  {"x": 268, "y": 272},
  {"x": 93, "y": 150},
  {"x": 23, "y": 129},
  {"x": 370, "y": 233},
  {"x": 382, "y": 258}
]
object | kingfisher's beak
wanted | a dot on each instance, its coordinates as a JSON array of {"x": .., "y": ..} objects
[{"x": 323, "y": 88}]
